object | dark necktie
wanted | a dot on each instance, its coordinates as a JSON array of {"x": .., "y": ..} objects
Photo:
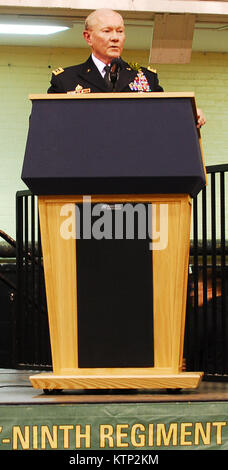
[{"x": 107, "y": 77}]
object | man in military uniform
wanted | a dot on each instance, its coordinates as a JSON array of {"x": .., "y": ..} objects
[
  {"x": 105, "y": 34},
  {"x": 105, "y": 71}
]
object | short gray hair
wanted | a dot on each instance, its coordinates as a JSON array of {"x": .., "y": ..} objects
[{"x": 92, "y": 16}]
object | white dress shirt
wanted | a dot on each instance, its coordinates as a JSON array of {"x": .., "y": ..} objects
[{"x": 99, "y": 64}]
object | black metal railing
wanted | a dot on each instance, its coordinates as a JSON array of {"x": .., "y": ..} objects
[
  {"x": 206, "y": 345},
  {"x": 7, "y": 250},
  {"x": 7, "y": 300},
  {"x": 33, "y": 345},
  {"x": 206, "y": 341}
]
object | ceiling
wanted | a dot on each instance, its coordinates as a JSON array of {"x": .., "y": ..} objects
[{"x": 207, "y": 36}]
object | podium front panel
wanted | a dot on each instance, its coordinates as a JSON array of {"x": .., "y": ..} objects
[{"x": 115, "y": 294}]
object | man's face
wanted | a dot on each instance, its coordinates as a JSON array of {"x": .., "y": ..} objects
[{"x": 106, "y": 36}]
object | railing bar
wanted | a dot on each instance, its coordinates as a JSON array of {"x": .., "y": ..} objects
[
  {"x": 223, "y": 273},
  {"x": 217, "y": 168},
  {"x": 34, "y": 332},
  {"x": 214, "y": 270},
  {"x": 25, "y": 313},
  {"x": 18, "y": 324},
  {"x": 195, "y": 285},
  {"x": 204, "y": 280}
]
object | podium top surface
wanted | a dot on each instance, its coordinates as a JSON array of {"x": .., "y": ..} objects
[
  {"x": 150, "y": 95},
  {"x": 117, "y": 143},
  {"x": 74, "y": 95}
]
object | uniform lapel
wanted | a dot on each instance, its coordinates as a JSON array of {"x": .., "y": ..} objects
[{"x": 91, "y": 74}]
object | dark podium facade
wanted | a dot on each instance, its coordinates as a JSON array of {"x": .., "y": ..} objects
[{"x": 114, "y": 175}]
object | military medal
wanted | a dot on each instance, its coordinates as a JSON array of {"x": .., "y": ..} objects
[
  {"x": 80, "y": 89},
  {"x": 140, "y": 83}
]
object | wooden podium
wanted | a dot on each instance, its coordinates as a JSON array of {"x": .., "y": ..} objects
[{"x": 116, "y": 308}]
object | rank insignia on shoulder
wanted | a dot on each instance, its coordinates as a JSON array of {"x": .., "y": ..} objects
[
  {"x": 151, "y": 69},
  {"x": 58, "y": 71}
]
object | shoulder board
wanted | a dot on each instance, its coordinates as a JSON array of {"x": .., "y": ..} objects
[
  {"x": 151, "y": 69},
  {"x": 58, "y": 71}
]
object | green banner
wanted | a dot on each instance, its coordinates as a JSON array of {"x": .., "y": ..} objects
[{"x": 119, "y": 427}]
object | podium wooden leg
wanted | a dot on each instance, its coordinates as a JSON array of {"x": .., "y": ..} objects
[{"x": 170, "y": 270}]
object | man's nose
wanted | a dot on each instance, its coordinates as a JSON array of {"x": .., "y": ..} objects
[{"x": 114, "y": 36}]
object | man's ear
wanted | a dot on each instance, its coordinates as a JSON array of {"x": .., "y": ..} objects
[{"x": 86, "y": 35}]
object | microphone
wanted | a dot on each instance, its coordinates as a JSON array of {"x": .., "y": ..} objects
[{"x": 115, "y": 67}]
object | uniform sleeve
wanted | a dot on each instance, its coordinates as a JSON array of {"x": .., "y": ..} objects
[
  {"x": 158, "y": 87},
  {"x": 153, "y": 80},
  {"x": 56, "y": 85}
]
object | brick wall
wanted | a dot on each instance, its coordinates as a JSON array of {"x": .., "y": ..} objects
[{"x": 27, "y": 70}]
